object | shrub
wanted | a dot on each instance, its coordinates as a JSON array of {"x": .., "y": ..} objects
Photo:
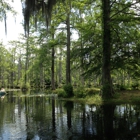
[
  {"x": 97, "y": 99},
  {"x": 135, "y": 85},
  {"x": 25, "y": 86},
  {"x": 119, "y": 87},
  {"x": 122, "y": 87},
  {"x": 68, "y": 90},
  {"x": 90, "y": 91},
  {"x": 79, "y": 92},
  {"x": 60, "y": 92}
]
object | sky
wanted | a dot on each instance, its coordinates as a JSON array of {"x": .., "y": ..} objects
[{"x": 14, "y": 26}]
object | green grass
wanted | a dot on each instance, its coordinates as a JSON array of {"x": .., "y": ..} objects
[
  {"x": 128, "y": 96},
  {"x": 121, "y": 97},
  {"x": 92, "y": 96},
  {"x": 95, "y": 99}
]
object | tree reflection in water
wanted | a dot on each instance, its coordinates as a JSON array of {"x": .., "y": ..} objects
[
  {"x": 108, "y": 116},
  {"x": 35, "y": 117}
]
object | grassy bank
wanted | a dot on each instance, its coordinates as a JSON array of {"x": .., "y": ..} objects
[
  {"x": 128, "y": 96},
  {"x": 92, "y": 96},
  {"x": 120, "y": 97}
]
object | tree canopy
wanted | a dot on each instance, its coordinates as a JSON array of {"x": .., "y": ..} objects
[{"x": 105, "y": 55}]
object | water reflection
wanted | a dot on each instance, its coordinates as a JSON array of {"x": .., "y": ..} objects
[
  {"x": 44, "y": 118},
  {"x": 108, "y": 118}
]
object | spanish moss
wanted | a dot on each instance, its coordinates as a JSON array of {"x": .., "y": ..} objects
[{"x": 33, "y": 7}]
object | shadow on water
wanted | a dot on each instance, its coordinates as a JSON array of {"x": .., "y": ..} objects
[
  {"x": 108, "y": 116},
  {"x": 69, "y": 106},
  {"x": 48, "y": 118}
]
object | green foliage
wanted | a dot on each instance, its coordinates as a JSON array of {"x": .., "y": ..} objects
[
  {"x": 25, "y": 86},
  {"x": 97, "y": 99},
  {"x": 4, "y": 9},
  {"x": 85, "y": 18},
  {"x": 48, "y": 91},
  {"x": 135, "y": 85},
  {"x": 106, "y": 91},
  {"x": 79, "y": 92},
  {"x": 60, "y": 92},
  {"x": 119, "y": 87},
  {"x": 91, "y": 91},
  {"x": 69, "y": 90},
  {"x": 122, "y": 87}
]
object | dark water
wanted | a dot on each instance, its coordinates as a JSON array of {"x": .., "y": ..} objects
[{"x": 47, "y": 118}]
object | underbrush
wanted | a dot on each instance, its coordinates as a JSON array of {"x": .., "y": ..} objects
[
  {"x": 92, "y": 96},
  {"x": 60, "y": 92},
  {"x": 95, "y": 99},
  {"x": 79, "y": 92}
]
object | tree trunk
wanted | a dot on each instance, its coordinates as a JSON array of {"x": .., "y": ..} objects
[
  {"x": 26, "y": 61},
  {"x": 52, "y": 65},
  {"x": 52, "y": 69},
  {"x": 82, "y": 61},
  {"x": 41, "y": 76},
  {"x": 106, "y": 75},
  {"x": 60, "y": 70},
  {"x": 12, "y": 73},
  {"x": 68, "y": 75},
  {"x": 19, "y": 70}
]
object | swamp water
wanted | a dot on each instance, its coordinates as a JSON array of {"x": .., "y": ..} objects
[{"x": 47, "y": 118}]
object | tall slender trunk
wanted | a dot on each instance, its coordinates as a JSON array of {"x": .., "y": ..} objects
[
  {"x": 52, "y": 67},
  {"x": 41, "y": 76},
  {"x": 19, "y": 70},
  {"x": 82, "y": 61},
  {"x": 106, "y": 74},
  {"x": 12, "y": 73},
  {"x": 26, "y": 62},
  {"x": 60, "y": 70},
  {"x": 68, "y": 73}
]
